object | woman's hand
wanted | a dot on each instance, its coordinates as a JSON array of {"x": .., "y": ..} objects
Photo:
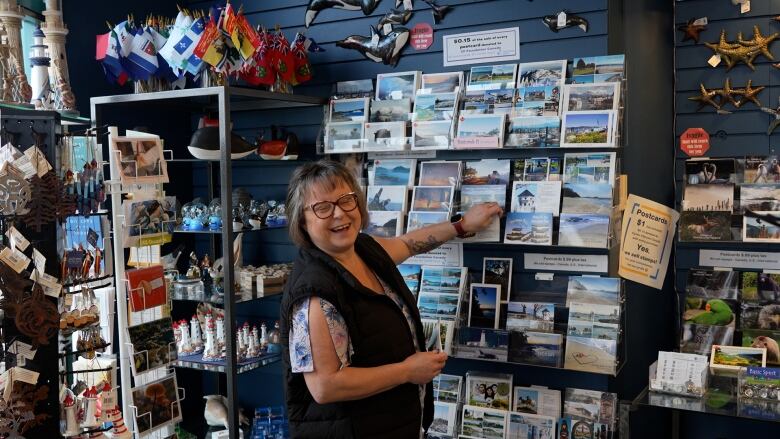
[
  {"x": 423, "y": 367},
  {"x": 480, "y": 216}
]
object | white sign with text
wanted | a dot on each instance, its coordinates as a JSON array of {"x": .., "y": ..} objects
[{"x": 493, "y": 46}]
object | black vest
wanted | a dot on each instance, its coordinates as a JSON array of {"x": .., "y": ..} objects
[{"x": 379, "y": 334}]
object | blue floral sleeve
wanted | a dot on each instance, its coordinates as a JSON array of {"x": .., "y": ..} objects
[{"x": 300, "y": 341}]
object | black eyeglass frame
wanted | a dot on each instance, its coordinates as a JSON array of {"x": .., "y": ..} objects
[{"x": 333, "y": 204}]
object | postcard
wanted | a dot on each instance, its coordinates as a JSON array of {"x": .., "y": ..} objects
[
  {"x": 759, "y": 196},
  {"x": 432, "y": 335},
  {"x": 761, "y": 227},
  {"x": 438, "y": 106},
  {"x": 489, "y": 391},
  {"x": 349, "y": 110},
  {"x": 534, "y": 132},
  {"x": 719, "y": 312},
  {"x": 498, "y": 271},
  {"x": 141, "y": 160},
  {"x": 708, "y": 197},
  {"x": 385, "y": 224},
  {"x": 540, "y": 287},
  {"x": 538, "y": 348},
  {"x": 438, "y": 306},
  {"x": 710, "y": 171},
  {"x": 593, "y": 289},
  {"x": 344, "y": 137},
  {"x": 445, "y": 417},
  {"x": 491, "y": 234},
  {"x": 599, "y": 65},
  {"x": 536, "y": 169},
  {"x": 395, "y": 110},
  {"x": 411, "y": 276},
  {"x": 446, "y": 82},
  {"x": 763, "y": 339},
  {"x": 760, "y": 286},
  {"x": 389, "y": 198},
  {"x": 714, "y": 284},
  {"x": 587, "y": 198},
  {"x": 153, "y": 345},
  {"x": 149, "y": 222},
  {"x": 440, "y": 173},
  {"x": 397, "y": 85},
  {"x": 736, "y": 357},
  {"x": 555, "y": 169},
  {"x": 588, "y": 129},
  {"x": 537, "y": 401},
  {"x": 488, "y": 128},
  {"x": 525, "y": 425},
  {"x": 157, "y": 404},
  {"x": 541, "y": 73},
  {"x": 590, "y": 405},
  {"x": 486, "y": 172},
  {"x": 446, "y": 335},
  {"x": 759, "y": 169},
  {"x": 438, "y": 279},
  {"x": 536, "y": 101},
  {"x": 589, "y": 168},
  {"x": 591, "y": 97},
  {"x": 386, "y": 136},
  {"x": 698, "y": 339},
  {"x": 146, "y": 287},
  {"x": 447, "y": 388},
  {"x": 432, "y": 198},
  {"x": 492, "y": 77},
  {"x": 418, "y": 220},
  {"x": 483, "y": 343},
  {"x": 594, "y": 321},
  {"x": 584, "y": 230},
  {"x": 362, "y": 88},
  {"x": 530, "y": 228},
  {"x": 472, "y": 195},
  {"x": 482, "y": 422},
  {"x": 476, "y": 102},
  {"x": 522, "y": 316},
  {"x": 760, "y": 315},
  {"x": 536, "y": 196},
  {"x": 590, "y": 355},
  {"x": 432, "y": 135},
  {"x": 484, "y": 306},
  {"x": 393, "y": 172},
  {"x": 705, "y": 226}
]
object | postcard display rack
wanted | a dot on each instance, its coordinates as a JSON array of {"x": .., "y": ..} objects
[{"x": 426, "y": 135}]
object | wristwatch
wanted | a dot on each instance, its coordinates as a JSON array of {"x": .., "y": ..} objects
[{"x": 457, "y": 222}]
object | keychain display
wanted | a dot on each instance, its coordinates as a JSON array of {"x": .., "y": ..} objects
[
  {"x": 79, "y": 265},
  {"x": 85, "y": 181}
]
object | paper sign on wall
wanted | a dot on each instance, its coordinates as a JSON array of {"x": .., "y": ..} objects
[
  {"x": 493, "y": 46},
  {"x": 422, "y": 36},
  {"x": 695, "y": 142},
  {"x": 647, "y": 236}
]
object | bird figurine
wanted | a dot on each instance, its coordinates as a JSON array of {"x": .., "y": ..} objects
[
  {"x": 716, "y": 312},
  {"x": 216, "y": 413},
  {"x": 379, "y": 48},
  {"x": 315, "y": 6},
  {"x": 551, "y": 21},
  {"x": 395, "y": 16},
  {"x": 691, "y": 30},
  {"x": 439, "y": 11}
]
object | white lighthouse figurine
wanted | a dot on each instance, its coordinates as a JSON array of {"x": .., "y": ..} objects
[{"x": 39, "y": 61}]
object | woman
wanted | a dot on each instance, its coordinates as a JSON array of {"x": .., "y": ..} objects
[{"x": 351, "y": 331}]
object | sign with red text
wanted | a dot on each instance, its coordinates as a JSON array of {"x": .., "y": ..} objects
[
  {"x": 695, "y": 142},
  {"x": 422, "y": 36}
]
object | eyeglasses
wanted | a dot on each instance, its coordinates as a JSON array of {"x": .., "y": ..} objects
[{"x": 324, "y": 209}]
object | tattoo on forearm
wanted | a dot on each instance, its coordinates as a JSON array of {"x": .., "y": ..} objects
[{"x": 417, "y": 247}]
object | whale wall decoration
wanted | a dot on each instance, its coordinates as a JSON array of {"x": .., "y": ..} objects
[
  {"x": 377, "y": 47},
  {"x": 315, "y": 6},
  {"x": 551, "y": 21},
  {"x": 395, "y": 17},
  {"x": 439, "y": 11}
]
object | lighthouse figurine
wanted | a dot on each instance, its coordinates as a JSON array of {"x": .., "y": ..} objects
[{"x": 39, "y": 60}]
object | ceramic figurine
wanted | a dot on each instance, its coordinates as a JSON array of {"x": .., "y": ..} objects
[
  {"x": 691, "y": 31},
  {"x": 186, "y": 341},
  {"x": 263, "y": 336},
  {"x": 439, "y": 11},
  {"x": 39, "y": 60},
  {"x": 119, "y": 430},
  {"x": 395, "y": 17},
  {"x": 255, "y": 344},
  {"x": 197, "y": 341},
  {"x": 177, "y": 335},
  {"x": 220, "y": 331},
  {"x": 274, "y": 337},
  {"x": 551, "y": 21},
  {"x": 315, "y": 6},
  {"x": 210, "y": 348},
  {"x": 107, "y": 400},
  {"x": 90, "y": 418},
  {"x": 377, "y": 47},
  {"x": 71, "y": 419},
  {"x": 215, "y": 411}
]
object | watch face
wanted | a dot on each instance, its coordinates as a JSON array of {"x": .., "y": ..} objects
[{"x": 455, "y": 218}]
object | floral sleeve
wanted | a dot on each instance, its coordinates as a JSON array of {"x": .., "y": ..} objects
[{"x": 300, "y": 342}]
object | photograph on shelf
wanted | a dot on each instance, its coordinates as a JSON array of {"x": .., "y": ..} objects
[
  {"x": 483, "y": 343},
  {"x": 760, "y": 286},
  {"x": 710, "y": 171},
  {"x": 541, "y": 73},
  {"x": 486, "y": 172},
  {"x": 418, "y": 220},
  {"x": 432, "y": 198},
  {"x": 590, "y": 355},
  {"x": 591, "y": 97},
  {"x": 590, "y": 405},
  {"x": 344, "y": 137},
  {"x": 435, "y": 306},
  {"x": 536, "y": 196},
  {"x": 588, "y": 129},
  {"x": 536, "y": 101},
  {"x": 349, "y": 110},
  {"x": 698, "y": 339},
  {"x": 384, "y": 224},
  {"x": 760, "y": 315},
  {"x": 709, "y": 312},
  {"x": 534, "y": 132},
  {"x": 480, "y": 422},
  {"x": 393, "y": 172},
  {"x": 388, "y": 198},
  {"x": 770, "y": 340},
  {"x": 484, "y": 306},
  {"x": 436, "y": 279},
  {"x": 593, "y": 289},
  {"x": 529, "y": 426},
  {"x": 447, "y": 388},
  {"x": 761, "y": 227},
  {"x": 715, "y": 284},
  {"x": 153, "y": 345},
  {"x": 438, "y": 106},
  {"x": 355, "y": 89},
  {"x": 489, "y": 391},
  {"x": 149, "y": 222},
  {"x": 141, "y": 160},
  {"x": 594, "y": 320},
  {"x": 538, "y": 348},
  {"x": 537, "y": 401},
  {"x": 760, "y": 169},
  {"x": 530, "y": 228},
  {"x": 708, "y": 197},
  {"x": 445, "y": 416},
  {"x": 476, "y": 102},
  {"x": 736, "y": 357},
  {"x": 589, "y": 168},
  {"x": 705, "y": 226},
  {"x": 432, "y": 135},
  {"x": 397, "y": 85},
  {"x": 386, "y": 136},
  {"x": 536, "y": 169},
  {"x": 395, "y": 110},
  {"x": 146, "y": 287},
  {"x": 584, "y": 230},
  {"x": 587, "y": 198},
  {"x": 759, "y": 197},
  {"x": 472, "y": 195},
  {"x": 498, "y": 271},
  {"x": 523, "y": 316},
  {"x": 440, "y": 173},
  {"x": 492, "y": 77},
  {"x": 480, "y": 131},
  {"x": 156, "y": 404},
  {"x": 411, "y": 274},
  {"x": 446, "y": 82}
]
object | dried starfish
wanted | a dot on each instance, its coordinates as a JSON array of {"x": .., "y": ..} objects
[
  {"x": 732, "y": 53},
  {"x": 706, "y": 97},
  {"x": 691, "y": 31},
  {"x": 727, "y": 94},
  {"x": 759, "y": 41},
  {"x": 749, "y": 93}
]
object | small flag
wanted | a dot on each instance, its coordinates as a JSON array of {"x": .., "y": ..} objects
[
  {"x": 168, "y": 52},
  {"x": 112, "y": 67},
  {"x": 211, "y": 47},
  {"x": 143, "y": 56},
  {"x": 302, "y": 65}
]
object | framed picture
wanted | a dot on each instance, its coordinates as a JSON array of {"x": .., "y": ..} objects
[
  {"x": 385, "y": 224},
  {"x": 440, "y": 173},
  {"x": 157, "y": 404},
  {"x": 393, "y": 172},
  {"x": 736, "y": 357},
  {"x": 386, "y": 136},
  {"x": 432, "y": 198},
  {"x": 447, "y": 82},
  {"x": 141, "y": 160},
  {"x": 534, "y": 132},
  {"x": 432, "y": 135},
  {"x": 484, "y": 306},
  {"x": 588, "y": 129},
  {"x": 392, "y": 110},
  {"x": 146, "y": 287},
  {"x": 591, "y": 97},
  {"x": 541, "y": 73},
  {"x": 418, "y": 220},
  {"x": 349, "y": 110},
  {"x": 489, "y": 127},
  {"x": 763, "y": 227},
  {"x": 344, "y": 137},
  {"x": 398, "y": 85},
  {"x": 492, "y": 77},
  {"x": 153, "y": 345},
  {"x": 489, "y": 391},
  {"x": 386, "y": 198},
  {"x": 498, "y": 271}
]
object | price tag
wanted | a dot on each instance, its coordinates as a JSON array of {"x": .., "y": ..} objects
[
  {"x": 17, "y": 260},
  {"x": 39, "y": 260},
  {"x": 714, "y": 60},
  {"x": 387, "y": 28},
  {"x": 562, "y": 19},
  {"x": 19, "y": 240},
  {"x": 745, "y": 7},
  {"x": 700, "y": 22},
  {"x": 49, "y": 283}
]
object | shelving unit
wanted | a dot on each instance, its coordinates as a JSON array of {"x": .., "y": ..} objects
[{"x": 222, "y": 100}]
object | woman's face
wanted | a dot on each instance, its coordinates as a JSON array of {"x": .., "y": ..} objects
[{"x": 337, "y": 234}]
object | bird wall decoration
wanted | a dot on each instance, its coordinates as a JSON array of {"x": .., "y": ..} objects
[
  {"x": 551, "y": 21},
  {"x": 378, "y": 47},
  {"x": 742, "y": 50},
  {"x": 315, "y": 6}
]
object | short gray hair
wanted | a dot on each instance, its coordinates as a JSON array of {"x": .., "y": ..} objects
[{"x": 326, "y": 174}]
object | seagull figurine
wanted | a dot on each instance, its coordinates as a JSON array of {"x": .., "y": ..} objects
[{"x": 774, "y": 123}]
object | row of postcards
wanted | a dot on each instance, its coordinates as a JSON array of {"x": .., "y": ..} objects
[{"x": 492, "y": 407}]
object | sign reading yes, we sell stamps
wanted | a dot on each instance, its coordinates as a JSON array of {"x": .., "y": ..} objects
[
  {"x": 647, "y": 235},
  {"x": 493, "y": 46}
]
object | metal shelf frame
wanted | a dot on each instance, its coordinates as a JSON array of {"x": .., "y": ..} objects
[{"x": 224, "y": 99}]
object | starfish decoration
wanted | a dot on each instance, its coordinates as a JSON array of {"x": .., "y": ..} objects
[
  {"x": 744, "y": 50},
  {"x": 776, "y": 121},
  {"x": 749, "y": 93},
  {"x": 691, "y": 30},
  {"x": 759, "y": 41},
  {"x": 706, "y": 97},
  {"x": 727, "y": 94}
]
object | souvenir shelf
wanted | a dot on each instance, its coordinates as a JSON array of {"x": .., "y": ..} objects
[{"x": 221, "y": 100}]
